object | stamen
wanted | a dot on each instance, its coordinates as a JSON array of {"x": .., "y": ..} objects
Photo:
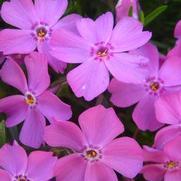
[
  {"x": 21, "y": 178},
  {"x": 41, "y": 33},
  {"x": 154, "y": 86},
  {"x": 91, "y": 153},
  {"x": 30, "y": 99},
  {"x": 102, "y": 52},
  {"x": 171, "y": 164}
]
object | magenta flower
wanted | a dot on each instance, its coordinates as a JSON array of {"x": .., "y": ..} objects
[
  {"x": 168, "y": 108},
  {"x": 15, "y": 165},
  {"x": 96, "y": 152},
  {"x": 36, "y": 103},
  {"x": 154, "y": 84},
  {"x": 163, "y": 164},
  {"x": 99, "y": 50},
  {"x": 123, "y": 7},
  {"x": 166, "y": 134},
  {"x": 177, "y": 31},
  {"x": 176, "y": 51},
  {"x": 36, "y": 23}
]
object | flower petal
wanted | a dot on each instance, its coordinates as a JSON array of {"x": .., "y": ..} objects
[
  {"x": 40, "y": 165},
  {"x": 33, "y": 129},
  {"x": 64, "y": 134},
  {"x": 68, "y": 23},
  {"x": 151, "y": 52},
  {"x": 4, "y": 175},
  {"x": 22, "y": 13},
  {"x": 153, "y": 172},
  {"x": 37, "y": 66},
  {"x": 105, "y": 21},
  {"x": 168, "y": 108},
  {"x": 128, "y": 35},
  {"x": 123, "y": 155},
  {"x": 13, "y": 158},
  {"x": 174, "y": 175},
  {"x": 154, "y": 155},
  {"x": 100, "y": 125},
  {"x": 87, "y": 29},
  {"x": 16, "y": 41},
  {"x": 170, "y": 71},
  {"x": 173, "y": 148},
  {"x": 176, "y": 50},
  {"x": 124, "y": 94},
  {"x": 99, "y": 172},
  {"x": 177, "y": 31},
  {"x": 166, "y": 134},
  {"x": 70, "y": 168},
  {"x": 146, "y": 120},
  {"x": 69, "y": 47},
  {"x": 50, "y": 11},
  {"x": 128, "y": 68},
  {"x": 52, "y": 107},
  {"x": 57, "y": 65},
  {"x": 15, "y": 108},
  {"x": 16, "y": 78},
  {"x": 89, "y": 79}
]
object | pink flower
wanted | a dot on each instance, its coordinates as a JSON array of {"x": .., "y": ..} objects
[
  {"x": 96, "y": 152},
  {"x": 36, "y": 101},
  {"x": 15, "y": 165},
  {"x": 168, "y": 108},
  {"x": 163, "y": 164},
  {"x": 176, "y": 51},
  {"x": 154, "y": 84},
  {"x": 123, "y": 7},
  {"x": 36, "y": 22},
  {"x": 177, "y": 31},
  {"x": 166, "y": 134},
  {"x": 100, "y": 48}
]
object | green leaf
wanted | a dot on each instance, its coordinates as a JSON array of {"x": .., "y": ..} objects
[
  {"x": 130, "y": 13},
  {"x": 2, "y": 133},
  {"x": 142, "y": 17},
  {"x": 150, "y": 17}
]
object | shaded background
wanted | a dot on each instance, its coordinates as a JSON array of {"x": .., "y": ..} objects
[{"x": 162, "y": 28}]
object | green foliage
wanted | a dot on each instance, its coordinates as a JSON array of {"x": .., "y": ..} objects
[{"x": 150, "y": 17}]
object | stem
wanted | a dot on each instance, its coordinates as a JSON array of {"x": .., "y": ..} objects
[{"x": 136, "y": 133}]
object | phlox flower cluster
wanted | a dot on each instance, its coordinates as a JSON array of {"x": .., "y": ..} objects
[{"x": 106, "y": 64}]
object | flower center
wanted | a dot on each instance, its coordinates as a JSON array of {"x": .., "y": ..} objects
[
  {"x": 21, "y": 178},
  {"x": 171, "y": 164},
  {"x": 30, "y": 99},
  {"x": 92, "y": 154},
  {"x": 154, "y": 86},
  {"x": 41, "y": 32},
  {"x": 102, "y": 51}
]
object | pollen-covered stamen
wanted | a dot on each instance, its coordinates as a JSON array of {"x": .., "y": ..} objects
[
  {"x": 171, "y": 165},
  {"x": 30, "y": 99},
  {"x": 102, "y": 51},
  {"x": 154, "y": 86},
  {"x": 92, "y": 154},
  {"x": 21, "y": 178},
  {"x": 41, "y": 32}
]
